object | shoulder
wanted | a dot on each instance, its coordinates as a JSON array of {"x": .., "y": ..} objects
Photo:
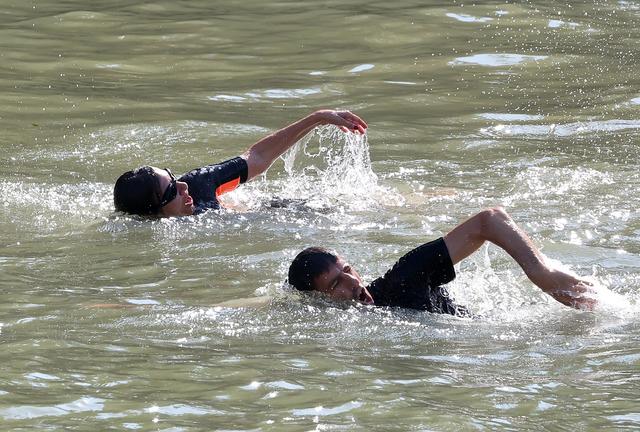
[{"x": 223, "y": 171}]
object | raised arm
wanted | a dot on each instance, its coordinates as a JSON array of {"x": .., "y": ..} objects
[
  {"x": 496, "y": 226},
  {"x": 262, "y": 154}
]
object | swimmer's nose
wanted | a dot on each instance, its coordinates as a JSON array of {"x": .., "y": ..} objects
[{"x": 183, "y": 188}]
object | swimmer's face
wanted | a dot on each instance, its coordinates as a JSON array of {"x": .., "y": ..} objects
[
  {"x": 342, "y": 282},
  {"x": 182, "y": 203}
]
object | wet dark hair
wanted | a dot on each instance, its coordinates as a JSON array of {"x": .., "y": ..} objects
[
  {"x": 137, "y": 192},
  {"x": 309, "y": 264}
]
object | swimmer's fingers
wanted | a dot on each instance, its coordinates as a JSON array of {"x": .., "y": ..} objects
[
  {"x": 354, "y": 119},
  {"x": 345, "y": 120},
  {"x": 579, "y": 296},
  {"x": 582, "y": 303},
  {"x": 356, "y": 124},
  {"x": 567, "y": 299}
]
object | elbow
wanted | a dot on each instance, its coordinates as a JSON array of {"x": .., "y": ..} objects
[{"x": 256, "y": 163}]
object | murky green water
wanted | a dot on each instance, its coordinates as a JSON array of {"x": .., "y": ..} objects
[{"x": 532, "y": 105}]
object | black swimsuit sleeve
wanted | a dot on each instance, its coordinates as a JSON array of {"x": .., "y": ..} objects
[
  {"x": 416, "y": 280},
  {"x": 210, "y": 181}
]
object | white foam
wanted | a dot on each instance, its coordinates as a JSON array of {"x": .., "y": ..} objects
[{"x": 329, "y": 170}]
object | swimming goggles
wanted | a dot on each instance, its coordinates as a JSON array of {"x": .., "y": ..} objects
[{"x": 170, "y": 192}]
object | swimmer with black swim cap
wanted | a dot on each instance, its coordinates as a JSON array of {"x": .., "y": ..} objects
[
  {"x": 416, "y": 280},
  {"x": 151, "y": 191}
]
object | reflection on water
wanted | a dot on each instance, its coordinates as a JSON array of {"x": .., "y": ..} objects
[
  {"x": 268, "y": 94},
  {"x": 496, "y": 59},
  {"x": 468, "y": 18},
  {"x": 566, "y": 130},
  {"x": 362, "y": 68},
  {"x": 33, "y": 412},
  {"x": 529, "y": 106}
]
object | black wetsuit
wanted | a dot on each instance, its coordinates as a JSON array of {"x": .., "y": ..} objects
[
  {"x": 207, "y": 183},
  {"x": 416, "y": 280}
]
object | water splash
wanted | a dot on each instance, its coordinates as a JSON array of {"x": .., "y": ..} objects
[
  {"x": 496, "y": 290},
  {"x": 330, "y": 167},
  {"x": 328, "y": 171},
  {"x": 493, "y": 288},
  {"x": 49, "y": 207}
]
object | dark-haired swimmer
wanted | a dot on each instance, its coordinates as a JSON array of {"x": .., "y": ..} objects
[
  {"x": 416, "y": 280},
  {"x": 151, "y": 191}
]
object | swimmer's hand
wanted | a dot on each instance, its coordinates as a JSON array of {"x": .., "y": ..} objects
[
  {"x": 345, "y": 120},
  {"x": 580, "y": 294}
]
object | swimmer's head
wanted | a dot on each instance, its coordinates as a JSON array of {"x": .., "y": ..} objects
[
  {"x": 138, "y": 192},
  {"x": 318, "y": 269},
  {"x": 151, "y": 191},
  {"x": 309, "y": 264}
]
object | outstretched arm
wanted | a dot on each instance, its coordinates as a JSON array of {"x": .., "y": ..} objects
[
  {"x": 496, "y": 226},
  {"x": 262, "y": 154}
]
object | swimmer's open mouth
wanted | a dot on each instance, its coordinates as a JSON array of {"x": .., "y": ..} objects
[{"x": 365, "y": 297}]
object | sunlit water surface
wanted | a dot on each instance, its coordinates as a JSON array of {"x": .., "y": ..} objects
[{"x": 531, "y": 106}]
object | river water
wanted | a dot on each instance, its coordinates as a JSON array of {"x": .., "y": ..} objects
[{"x": 110, "y": 322}]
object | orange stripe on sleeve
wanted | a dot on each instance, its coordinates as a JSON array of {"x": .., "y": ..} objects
[{"x": 228, "y": 186}]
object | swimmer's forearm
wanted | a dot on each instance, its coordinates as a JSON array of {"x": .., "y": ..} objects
[{"x": 262, "y": 154}]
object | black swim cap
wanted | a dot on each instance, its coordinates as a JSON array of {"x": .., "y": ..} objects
[{"x": 136, "y": 192}]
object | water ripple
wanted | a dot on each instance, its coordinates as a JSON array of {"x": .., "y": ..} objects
[
  {"x": 560, "y": 130},
  {"x": 84, "y": 404},
  {"x": 496, "y": 60}
]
